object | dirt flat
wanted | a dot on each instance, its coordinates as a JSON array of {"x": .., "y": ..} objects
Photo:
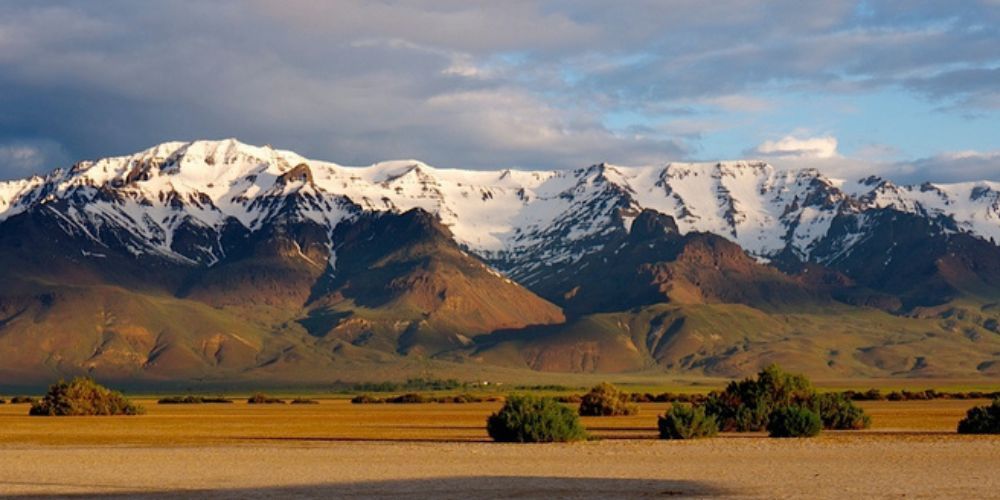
[{"x": 340, "y": 450}]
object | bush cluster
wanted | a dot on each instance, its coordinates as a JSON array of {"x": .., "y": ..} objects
[
  {"x": 750, "y": 404},
  {"x": 868, "y": 395},
  {"x": 605, "y": 400},
  {"x": 530, "y": 419},
  {"x": 83, "y": 396},
  {"x": 928, "y": 394},
  {"x": 838, "y": 412},
  {"x": 981, "y": 420},
  {"x": 413, "y": 384},
  {"x": 683, "y": 421},
  {"x": 543, "y": 387},
  {"x": 747, "y": 405},
  {"x": 264, "y": 399},
  {"x": 670, "y": 397},
  {"x": 794, "y": 421},
  {"x": 409, "y": 398},
  {"x": 363, "y": 399},
  {"x": 304, "y": 401},
  {"x": 22, "y": 400},
  {"x": 192, "y": 400},
  {"x": 423, "y": 398},
  {"x": 646, "y": 397}
]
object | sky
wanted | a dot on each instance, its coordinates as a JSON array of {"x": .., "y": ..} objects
[{"x": 909, "y": 90}]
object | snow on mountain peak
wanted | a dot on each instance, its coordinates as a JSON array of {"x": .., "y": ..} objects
[{"x": 512, "y": 216}]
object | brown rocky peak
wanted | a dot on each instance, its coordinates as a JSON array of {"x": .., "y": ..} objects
[
  {"x": 299, "y": 173},
  {"x": 651, "y": 224}
]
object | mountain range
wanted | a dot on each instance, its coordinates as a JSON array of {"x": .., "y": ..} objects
[{"x": 218, "y": 261}]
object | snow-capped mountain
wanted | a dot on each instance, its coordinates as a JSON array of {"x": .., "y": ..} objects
[
  {"x": 216, "y": 259},
  {"x": 518, "y": 220}
]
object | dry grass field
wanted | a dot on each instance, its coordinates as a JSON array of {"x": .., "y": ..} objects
[{"x": 442, "y": 450}]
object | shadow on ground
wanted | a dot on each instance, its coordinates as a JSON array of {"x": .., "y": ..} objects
[{"x": 446, "y": 487}]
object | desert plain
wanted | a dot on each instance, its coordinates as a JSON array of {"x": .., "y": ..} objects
[{"x": 435, "y": 450}]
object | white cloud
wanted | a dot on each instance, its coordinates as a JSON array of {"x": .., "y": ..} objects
[
  {"x": 791, "y": 146},
  {"x": 947, "y": 167},
  {"x": 21, "y": 158},
  {"x": 475, "y": 84},
  {"x": 952, "y": 166},
  {"x": 741, "y": 103}
]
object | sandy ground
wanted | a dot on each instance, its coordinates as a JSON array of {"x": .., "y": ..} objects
[
  {"x": 924, "y": 466},
  {"x": 328, "y": 451}
]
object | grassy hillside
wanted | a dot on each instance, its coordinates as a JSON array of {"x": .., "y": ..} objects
[{"x": 733, "y": 340}]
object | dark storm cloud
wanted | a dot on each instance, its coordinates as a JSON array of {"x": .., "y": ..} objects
[{"x": 475, "y": 84}]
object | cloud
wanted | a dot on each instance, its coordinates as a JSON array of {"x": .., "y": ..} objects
[
  {"x": 955, "y": 166},
  {"x": 947, "y": 167},
  {"x": 790, "y": 146},
  {"x": 24, "y": 157},
  {"x": 475, "y": 84},
  {"x": 741, "y": 103}
]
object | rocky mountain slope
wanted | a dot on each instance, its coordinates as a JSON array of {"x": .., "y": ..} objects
[{"x": 289, "y": 267}]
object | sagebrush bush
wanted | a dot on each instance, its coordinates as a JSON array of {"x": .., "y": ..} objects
[
  {"x": 747, "y": 405},
  {"x": 409, "y": 398},
  {"x": 530, "y": 419},
  {"x": 605, "y": 400},
  {"x": 684, "y": 421},
  {"x": 569, "y": 398},
  {"x": 261, "y": 398},
  {"x": 192, "y": 400},
  {"x": 838, "y": 412},
  {"x": 21, "y": 400},
  {"x": 460, "y": 398},
  {"x": 180, "y": 400},
  {"x": 794, "y": 421},
  {"x": 83, "y": 396},
  {"x": 366, "y": 399},
  {"x": 981, "y": 420},
  {"x": 304, "y": 401}
]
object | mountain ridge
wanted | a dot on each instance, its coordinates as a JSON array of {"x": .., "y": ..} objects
[
  {"x": 286, "y": 267},
  {"x": 501, "y": 215}
]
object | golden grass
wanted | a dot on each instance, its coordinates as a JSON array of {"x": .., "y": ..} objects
[
  {"x": 937, "y": 415},
  {"x": 337, "y": 420}
]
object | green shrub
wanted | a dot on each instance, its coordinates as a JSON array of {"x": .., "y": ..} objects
[
  {"x": 22, "y": 400},
  {"x": 180, "y": 400},
  {"x": 981, "y": 420},
  {"x": 645, "y": 397},
  {"x": 413, "y": 384},
  {"x": 83, "y": 396},
  {"x": 264, "y": 399},
  {"x": 747, "y": 405},
  {"x": 191, "y": 400},
  {"x": 460, "y": 398},
  {"x": 409, "y": 398},
  {"x": 869, "y": 395},
  {"x": 687, "y": 422},
  {"x": 304, "y": 401},
  {"x": 794, "y": 421},
  {"x": 605, "y": 400},
  {"x": 366, "y": 399},
  {"x": 530, "y": 419},
  {"x": 838, "y": 412}
]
